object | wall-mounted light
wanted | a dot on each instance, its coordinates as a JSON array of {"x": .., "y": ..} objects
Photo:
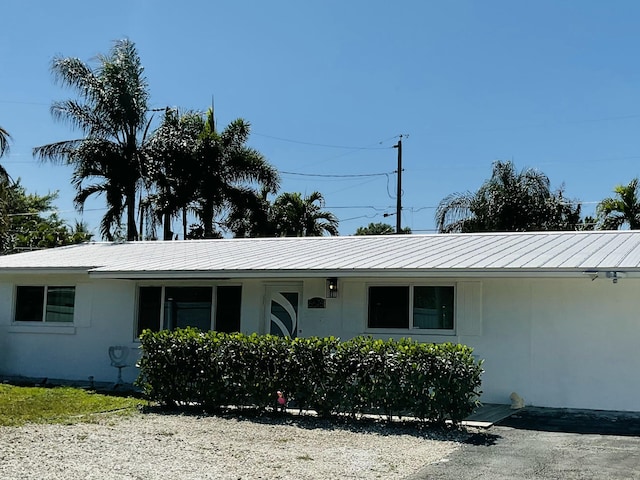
[
  {"x": 614, "y": 276},
  {"x": 332, "y": 287}
]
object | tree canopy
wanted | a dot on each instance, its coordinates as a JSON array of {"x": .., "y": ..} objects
[
  {"x": 28, "y": 222},
  {"x": 295, "y": 215},
  {"x": 111, "y": 113},
  {"x": 291, "y": 214},
  {"x": 230, "y": 173},
  {"x": 508, "y": 201},
  {"x": 622, "y": 209},
  {"x": 379, "y": 229},
  {"x": 209, "y": 173}
]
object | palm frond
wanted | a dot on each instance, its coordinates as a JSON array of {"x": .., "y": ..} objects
[
  {"x": 453, "y": 211},
  {"x": 4, "y": 141}
]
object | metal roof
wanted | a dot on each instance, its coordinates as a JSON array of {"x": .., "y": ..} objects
[{"x": 526, "y": 253}]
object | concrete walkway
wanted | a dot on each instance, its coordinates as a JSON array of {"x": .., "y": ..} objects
[{"x": 536, "y": 443}]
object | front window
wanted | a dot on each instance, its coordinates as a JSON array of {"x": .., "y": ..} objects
[
  {"x": 179, "y": 307},
  {"x": 45, "y": 304},
  {"x": 411, "y": 307}
]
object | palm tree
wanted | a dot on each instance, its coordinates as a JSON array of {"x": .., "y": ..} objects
[
  {"x": 112, "y": 115},
  {"x": 5, "y": 186},
  {"x": 229, "y": 172},
  {"x": 623, "y": 209},
  {"x": 172, "y": 158},
  {"x": 4, "y": 141},
  {"x": 252, "y": 217},
  {"x": 298, "y": 216},
  {"x": 508, "y": 201}
]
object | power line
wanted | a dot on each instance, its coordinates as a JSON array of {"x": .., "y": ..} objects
[
  {"x": 344, "y": 147},
  {"x": 337, "y": 176}
]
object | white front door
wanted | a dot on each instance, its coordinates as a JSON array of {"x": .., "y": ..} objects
[{"x": 281, "y": 312}]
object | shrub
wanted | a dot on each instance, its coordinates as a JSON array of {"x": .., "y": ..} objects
[{"x": 432, "y": 382}]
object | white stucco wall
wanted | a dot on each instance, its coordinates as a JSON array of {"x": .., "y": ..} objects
[
  {"x": 565, "y": 342},
  {"x": 103, "y": 316},
  {"x": 557, "y": 342}
]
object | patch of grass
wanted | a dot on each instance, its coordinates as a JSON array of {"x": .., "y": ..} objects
[{"x": 20, "y": 405}]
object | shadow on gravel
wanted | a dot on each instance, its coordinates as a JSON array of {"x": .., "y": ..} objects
[
  {"x": 575, "y": 421},
  {"x": 310, "y": 421}
]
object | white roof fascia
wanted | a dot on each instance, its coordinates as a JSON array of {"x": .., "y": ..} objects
[
  {"x": 46, "y": 270},
  {"x": 365, "y": 273}
]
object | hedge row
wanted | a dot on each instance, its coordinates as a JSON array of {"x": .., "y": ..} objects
[{"x": 431, "y": 382}]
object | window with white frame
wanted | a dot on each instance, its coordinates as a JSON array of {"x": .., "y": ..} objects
[
  {"x": 162, "y": 307},
  {"x": 429, "y": 307},
  {"x": 53, "y": 304}
]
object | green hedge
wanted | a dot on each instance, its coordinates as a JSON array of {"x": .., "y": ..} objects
[{"x": 432, "y": 382}]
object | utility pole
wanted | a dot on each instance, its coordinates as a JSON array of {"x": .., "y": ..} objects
[{"x": 399, "y": 190}]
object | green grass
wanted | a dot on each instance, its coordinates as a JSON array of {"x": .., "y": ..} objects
[{"x": 20, "y": 405}]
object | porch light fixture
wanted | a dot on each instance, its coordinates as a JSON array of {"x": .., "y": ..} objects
[{"x": 332, "y": 287}]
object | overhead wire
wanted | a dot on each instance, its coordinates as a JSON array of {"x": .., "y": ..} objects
[{"x": 325, "y": 145}]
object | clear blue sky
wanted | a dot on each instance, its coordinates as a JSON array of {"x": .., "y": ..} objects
[{"x": 553, "y": 85}]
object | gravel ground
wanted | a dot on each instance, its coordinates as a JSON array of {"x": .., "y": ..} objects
[{"x": 159, "y": 446}]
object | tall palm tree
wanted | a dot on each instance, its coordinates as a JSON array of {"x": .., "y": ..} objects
[
  {"x": 229, "y": 172},
  {"x": 623, "y": 209},
  {"x": 252, "y": 216},
  {"x": 112, "y": 115},
  {"x": 298, "y": 216},
  {"x": 172, "y": 158},
  {"x": 508, "y": 201},
  {"x": 5, "y": 189}
]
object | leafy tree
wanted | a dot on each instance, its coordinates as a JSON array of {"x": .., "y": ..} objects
[
  {"x": 229, "y": 173},
  {"x": 623, "y": 209},
  {"x": 508, "y": 201},
  {"x": 112, "y": 115},
  {"x": 379, "y": 229},
  {"x": 26, "y": 225},
  {"x": 296, "y": 216}
]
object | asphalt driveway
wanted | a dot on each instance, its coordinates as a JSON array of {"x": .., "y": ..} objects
[{"x": 537, "y": 443}]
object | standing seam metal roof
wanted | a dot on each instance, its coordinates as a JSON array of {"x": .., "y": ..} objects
[{"x": 496, "y": 252}]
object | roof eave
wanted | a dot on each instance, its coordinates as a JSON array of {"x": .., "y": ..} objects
[{"x": 359, "y": 273}]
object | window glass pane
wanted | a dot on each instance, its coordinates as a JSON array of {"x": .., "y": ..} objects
[
  {"x": 389, "y": 307},
  {"x": 433, "y": 307},
  {"x": 228, "y": 301},
  {"x": 29, "y": 304},
  {"x": 188, "y": 307},
  {"x": 60, "y": 302},
  {"x": 149, "y": 304}
]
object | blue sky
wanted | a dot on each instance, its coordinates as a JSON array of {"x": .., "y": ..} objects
[{"x": 553, "y": 85}]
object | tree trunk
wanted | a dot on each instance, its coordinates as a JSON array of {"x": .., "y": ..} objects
[
  {"x": 132, "y": 233},
  {"x": 184, "y": 223},
  {"x": 167, "y": 233},
  {"x": 207, "y": 219}
]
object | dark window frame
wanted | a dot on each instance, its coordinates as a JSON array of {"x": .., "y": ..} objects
[
  {"x": 403, "y": 307},
  {"x": 38, "y": 304},
  {"x": 157, "y": 317}
]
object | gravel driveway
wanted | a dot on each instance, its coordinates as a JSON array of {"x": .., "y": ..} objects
[{"x": 162, "y": 446}]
